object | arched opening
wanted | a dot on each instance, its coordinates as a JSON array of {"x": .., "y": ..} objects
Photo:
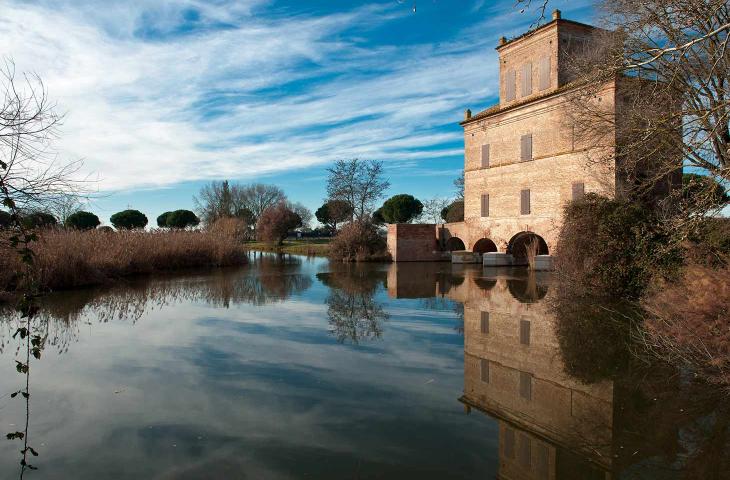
[
  {"x": 454, "y": 244},
  {"x": 519, "y": 244},
  {"x": 484, "y": 245}
]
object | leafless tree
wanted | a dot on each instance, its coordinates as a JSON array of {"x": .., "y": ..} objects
[
  {"x": 360, "y": 183},
  {"x": 64, "y": 206},
  {"x": 31, "y": 177},
  {"x": 670, "y": 62},
  {"x": 214, "y": 201},
  {"x": 304, "y": 213},
  {"x": 432, "y": 209},
  {"x": 256, "y": 198},
  {"x": 459, "y": 185}
]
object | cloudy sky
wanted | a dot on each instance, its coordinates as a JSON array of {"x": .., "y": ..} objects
[{"x": 163, "y": 96}]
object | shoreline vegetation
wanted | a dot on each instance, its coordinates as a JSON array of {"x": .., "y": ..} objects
[
  {"x": 319, "y": 247},
  {"x": 67, "y": 258}
]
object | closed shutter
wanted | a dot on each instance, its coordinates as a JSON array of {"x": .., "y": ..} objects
[
  {"x": 485, "y": 205},
  {"x": 578, "y": 190},
  {"x": 509, "y": 442},
  {"x": 526, "y": 385},
  {"x": 544, "y": 73},
  {"x": 543, "y": 461},
  {"x": 527, "y": 79},
  {"x": 485, "y": 156},
  {"x": 525, "y": 202},
  {"x": 485, "y": 323},
  {"x": 509, "y": 88},
  {"x": 484, "y": 370},
  {"x": 526, "y": 147},
  {"x": 524, "y": 455},
  {"x": 525, "y": 332}
]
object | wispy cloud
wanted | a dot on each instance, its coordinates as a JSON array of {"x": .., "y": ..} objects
[{"x": 164, "y": 92}]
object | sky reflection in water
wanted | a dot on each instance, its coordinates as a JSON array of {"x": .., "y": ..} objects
[{"x": 295, "y": 368}]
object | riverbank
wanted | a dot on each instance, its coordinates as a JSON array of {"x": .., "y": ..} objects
[
  {"x": 65, "y": 259},
  {"x": 311, "y": 247}
]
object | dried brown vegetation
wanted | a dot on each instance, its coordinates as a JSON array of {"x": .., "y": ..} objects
[
  {"x": 71, "y": 258},
  {"x": 689, "y": 322},
  {"x": 359, "y": 241}
]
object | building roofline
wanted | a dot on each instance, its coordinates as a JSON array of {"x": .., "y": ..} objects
[
  {"x": 543, "y": 27},
  {"x": 495, "y": 109}
]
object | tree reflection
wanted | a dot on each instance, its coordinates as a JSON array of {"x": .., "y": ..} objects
[
  {"x": 270, "y": 279},
  {"x": 352, "y": 311}
]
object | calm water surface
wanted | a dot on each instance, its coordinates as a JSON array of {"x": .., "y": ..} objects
[{"x": 297, "y": 368}]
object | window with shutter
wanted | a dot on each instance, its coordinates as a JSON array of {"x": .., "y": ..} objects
[
  {"x": 509, "y": 443},
  {"x": 485, "y": 323},
  {"x": 509, "y": 88},
  {"x": 525, "y": 202},
  {"x": 485, "y": 156},
  {"x": 526, "y": 147},
  {"x": 485, "y": 205},
  {"x": 524, "y": 455},
  {"x": 484, "y": 370},
  {"x": 543, "y": 461},
  {"x": 544, "y": 73},
  {"x": 525, "y": 332},
  {"x": 579, "y": 189},
  {"x": 527, "y": 79},
  {"x": 526, "y": 385}
]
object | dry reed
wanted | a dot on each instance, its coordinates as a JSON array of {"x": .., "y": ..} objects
[
  {"x": 71, "y": 258},
  {"x": 689, "y": 322}
]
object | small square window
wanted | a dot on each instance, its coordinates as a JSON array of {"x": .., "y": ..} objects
[
  {"x": 525, "y": 202},
  {"x": 579, "y": 189},
  {"x": 485, "y": 205},
  {"x": 485, "y": 156},
  {"x": 526, "y": 147},
  {"x": 484, "y": 326},
  {"x": 525, "y": 332},
  {"x": 484, "y": 370},
  {"x": 526, "y": 385}
]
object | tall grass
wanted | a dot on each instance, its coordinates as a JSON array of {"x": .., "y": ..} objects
[{"x": 70, "y": 258}]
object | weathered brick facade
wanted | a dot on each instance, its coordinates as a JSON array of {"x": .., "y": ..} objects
[
  {"x": 523, "y": 153},
  {"x": 523, "y": 159}
]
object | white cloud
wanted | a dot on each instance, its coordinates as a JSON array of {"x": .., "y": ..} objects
[{"x": 140, "y": 107}]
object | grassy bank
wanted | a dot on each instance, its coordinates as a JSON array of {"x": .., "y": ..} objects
[
  {"x": 70, "y": 258},
  {"x": 308, "y": 246}
]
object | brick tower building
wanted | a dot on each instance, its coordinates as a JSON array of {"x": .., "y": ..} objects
[{"x": 524, "y": 159}]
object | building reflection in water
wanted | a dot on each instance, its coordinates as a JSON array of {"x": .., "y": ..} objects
[{"x": 551, "y": 425}]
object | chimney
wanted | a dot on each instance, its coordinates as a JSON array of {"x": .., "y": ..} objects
[
  {"x": 502, "y": 41},
  {"x": 467, "y": 114},
  {"x": 556, "y": 14}
]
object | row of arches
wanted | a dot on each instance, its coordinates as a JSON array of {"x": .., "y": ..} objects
[{"x": 517, "y": 245}]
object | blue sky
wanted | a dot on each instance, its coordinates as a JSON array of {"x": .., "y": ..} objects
[{"x": 163, "y": 96}]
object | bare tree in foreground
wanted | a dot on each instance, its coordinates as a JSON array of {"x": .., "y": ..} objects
[
  {"x": 432, "y": 209},
  {"x": 360, "y": 183},
  {"x": 671, "y": 62},
  {"x": 30, "y": 179}
]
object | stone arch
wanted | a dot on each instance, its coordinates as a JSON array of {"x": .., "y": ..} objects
[
  {"x": 517, "y": 246},
  {"x": 454, "y": 244},
  {"x": 484, "y": 245}
]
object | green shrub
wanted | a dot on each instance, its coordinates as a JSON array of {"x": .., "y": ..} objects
[
  {"x": 5, "y": 219},
  {"x": 82, "y": 221},
  {"x": 39, "y": 220},
  {"x": 162, "y": 220},
  {"x": 613, "y": 248},
  {"x": 181, "y": 219},
  {"x": 358, "y": 241},
  {"x": 128, "y": 220},
  {"x": 454, "y": 212},
  {"x": 401, "y": 208}
]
